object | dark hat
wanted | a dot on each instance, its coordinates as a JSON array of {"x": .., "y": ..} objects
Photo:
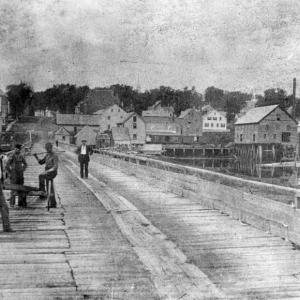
[
  {"x": 18, "y": 146},
  {"x": 84, "y": 140}
]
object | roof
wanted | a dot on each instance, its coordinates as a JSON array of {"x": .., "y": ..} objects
[
  {"x": 77, "y": 119},
  {"x": 255, "y": 115},
  {"x": 157, "y": 119},
  {"x": 102, "y": 111},
  {"x": 223, "y": 113},
  {"x": 184, "y": 113},
  {"x": 129, "y": 115},
  {"x": 87, "y": 133},
  {"x": 62, "y": 131},
  {"x": 120, "y": 134}
]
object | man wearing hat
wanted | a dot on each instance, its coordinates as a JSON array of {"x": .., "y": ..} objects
[
  {"x": 50, "y": 161},
  {"x": 84, "y": 151},
  {"x": 16, "y": 166}
]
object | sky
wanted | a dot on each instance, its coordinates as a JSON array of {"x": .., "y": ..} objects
[{"x": 247, "y": 45}]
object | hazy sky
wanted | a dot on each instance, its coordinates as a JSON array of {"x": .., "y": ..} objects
[{"x": 231, "y": 44}]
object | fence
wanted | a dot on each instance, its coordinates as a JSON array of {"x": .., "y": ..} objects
[{"x": 268, "y": 207}]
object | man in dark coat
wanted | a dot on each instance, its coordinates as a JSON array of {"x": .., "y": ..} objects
[
  {"x": 16, "y": 166},
  {"x": 51, "y": 165},
  {"x": 84, "y": 151}
]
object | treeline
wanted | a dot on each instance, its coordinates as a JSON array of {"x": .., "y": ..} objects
[{"x": 65, "y": 97}]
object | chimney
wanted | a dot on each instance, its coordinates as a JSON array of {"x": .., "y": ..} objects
[{"x": 294, "y": 97}]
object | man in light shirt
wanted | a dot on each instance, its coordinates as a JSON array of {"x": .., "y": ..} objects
[{"x": 84, "y": 151}]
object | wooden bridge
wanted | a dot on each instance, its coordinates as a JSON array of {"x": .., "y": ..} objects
[{"x": 143, "y": 229}]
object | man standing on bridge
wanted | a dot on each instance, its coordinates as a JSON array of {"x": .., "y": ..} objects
[
  {"x": 84, "y": 151},
  {"x": 16, "y": 166},
  {"x": 51, "y": 165}
]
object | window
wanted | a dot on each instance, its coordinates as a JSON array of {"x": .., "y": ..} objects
[
  {"x": 215, "y": 118},
  {"x": 134, "y": 136},
  {"x": 278, "y": 117},
  {"x": 167, "y": 139},
  {"x": 217, "y": 124},
  {"x": 208, "y": 118},
  {"x": 112, "y": 110},
  {"x": 288, "y": 128},
  {"x": 108, "y": 117},
  {"x": 223, "y": 125},
  {"x": 241, "y": 137},
  {"x": 286, "y": 137},
  {"x": 134, "y": 125},
  {"x": 211, "y": 124},
  {"x": 274, "y": 136},
  {"x": 265, "y": 136},
  {"x": 220, "y": 119},
  {"x": 63, "y": 138},
  {"x": 206, "y": 124},
  {"x": 253, "y": 137},
  {"x": 267, "y": 127},
  {"x": 134, "y": 119}
]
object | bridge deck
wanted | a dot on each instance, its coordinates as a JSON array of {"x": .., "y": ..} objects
[
  {"x": 117, "y": 237},
  {"x": 73, "y": 252},
  {"x": 242, "y": 261}
]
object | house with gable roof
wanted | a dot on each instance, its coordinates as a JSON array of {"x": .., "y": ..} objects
[
  {"x": 136, "y": 128},
  {"x": 266, "y": 125},
  {"x": 110, "y": 117},
  {"x": 191, "y": 122},
  {"x": 62, "y": 135},
  {"x": 89, "y": 134}
]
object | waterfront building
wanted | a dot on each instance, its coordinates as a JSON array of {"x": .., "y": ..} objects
[
  {"x": 266, "y": 124},
  {"x": 190, "y": 121},
  {"x": 110, "y": 117},
  {"x": 136, "y": 127},
  {"x": 120, "y": 136},
  {"x": 214, "y": 121}
]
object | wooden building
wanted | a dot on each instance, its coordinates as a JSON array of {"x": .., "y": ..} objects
[
  {"x": 120, "y": 136},
  {"x": 265, "y": 125},
  {"x": 214, "y": 121},
  {"x": 190, "y": 121},
  {"x": 89, "y": 134},
  {"x": 137, "y": 128},
  {"x": 110, "y": 117},
  {"x": 62, "y": 135},
  {"x": 75, "y": 122}
]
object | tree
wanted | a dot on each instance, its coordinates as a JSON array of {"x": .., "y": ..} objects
[
  {"x": 234, "y": 102},
  {"x": 19, "y": 97},
  {"x": 274, "y": 96},
  {"x": 214, "y": 97}
]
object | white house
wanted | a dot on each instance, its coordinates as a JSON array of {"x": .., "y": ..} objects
[
  {"x": 214, "y": 121},
  {"x": 111, "y": 117}
]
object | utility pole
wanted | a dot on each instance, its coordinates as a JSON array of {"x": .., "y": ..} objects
[{"x": 294, "y": 98}]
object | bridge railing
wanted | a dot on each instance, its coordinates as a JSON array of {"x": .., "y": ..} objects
[{"x": 265, "y": 206}]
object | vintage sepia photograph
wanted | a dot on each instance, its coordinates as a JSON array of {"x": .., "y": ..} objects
[{"x": 149, "y": 149}]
